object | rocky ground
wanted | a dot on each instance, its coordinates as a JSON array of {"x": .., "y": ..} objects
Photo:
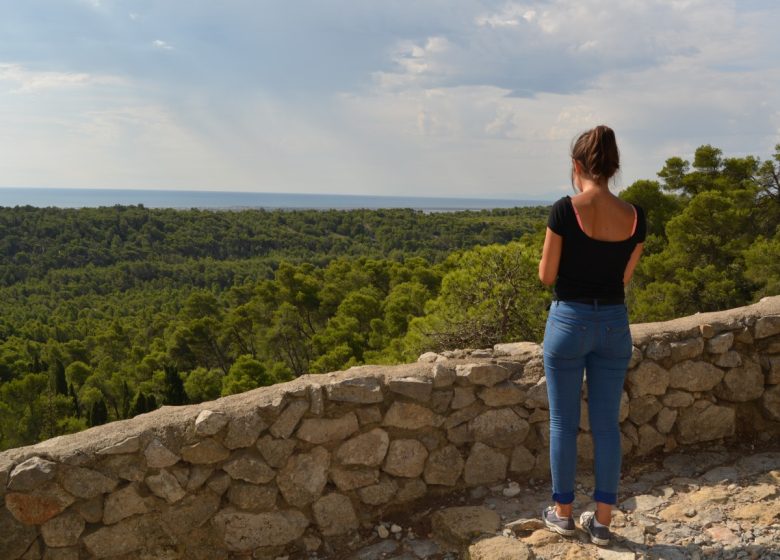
[{"x": 709, "y": 503}]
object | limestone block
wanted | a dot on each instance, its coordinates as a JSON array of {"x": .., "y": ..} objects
[
  {"x": 537, "y": 395},
  {"x": 379, "y": 493},
  {"x": 91, "y": 510},
  {"x": 369, "y": 415},
  {"x": 208, "y": 422},
  {"x": 482, "y": 374},
  {"x": 406, "y": 458},
  {"x": 522, "y": 460},
  {"x": 17, "y": 537},
  {"x": 742, "y": 384},
  {"x": 484, "y": 465},
  {"x": 767, "y": 326},
  {"x": 243, "y": 431},
  {"x": 522, "y": 351},
  {"x": 695, "y": 376},
  {"x": 705, "y": 421},
  {"x": 649, "y": 440},
  {"x": 744, "y": 336},
  {"x": 85, "y": 483},
  {"x": 275, "y": 451},
  {"x": 356, "y": 390},
  {"x": 123, "y": 503},
  {"x": 190, "y": 513},
  {"x": 417, "y": 388},
  {"x": 500, "y": 548},
  {"x": 459, "y": 434},
  {"x": 31, "y": 473},
  {"x": 773, "y": 370},
  {"x": 658, "y": 350},
  {"x": 720, "y": 343},
  {"x": 500, "y": 427},
  {"x": 506, "y": 393},
  {"x": 647, "y": 379},
  {"x": 728, "y": 359},
  {"x": 205, "y": 452},
  {"x": 285, "y": 424},
  {"x": 219, "y": 482},
  {"x": 323, "y": 430},
  {"x": 409, "y": 416},
  {"x": 351, "y": 478},
  {"x": 128, "y": 445},
  {"x": 636, "y": 357},
  {"x": 249, "y": 468},
  {"x": 666, "y": 419},
  {"x": 443, "y": 376},
  {"x": 643, "y": 409},
  {"x": 334, "y": 515},
  {"x": 440, "y": 401},
  {"x": 625, "y": 407},
  {"x": 533, "y": 370},
  {"x": 460, "y": 525},
  {"x": 39, "y": 505},
  {"x": 686, "y": 349},
  {"x": 428, "y": 357},
  {"x": 316, "y": 400},
  {"x": 165, "y": 486},
  {"x": 410, "y": 489},
  {"x": 770, "y": 402},
  {"x": 244, "y": 532},
  {"x": 677, "y": 399},
  {"x": 462, "y": 397},
  {"x": 250, "y": 497},
  {"x": 303, "y": 478},
  {"x": 463, "y": 415},
  {"x": 366, "y": 449},
  {"x": 127, "y": 536},
  {"x": 444, "y": 466},
  {"x": 63, "y": 530},
  {"x": 158, "y": 456}
]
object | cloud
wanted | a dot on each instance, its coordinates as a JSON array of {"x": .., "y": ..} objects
[
  {"x": 29, "y": 80},
  {"x": 162, "y": 45}
]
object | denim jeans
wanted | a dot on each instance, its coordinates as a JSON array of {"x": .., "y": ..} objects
[{"x": 594, "y": 339}]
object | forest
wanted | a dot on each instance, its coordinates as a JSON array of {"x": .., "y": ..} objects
[{"x": 110, "y": 312}]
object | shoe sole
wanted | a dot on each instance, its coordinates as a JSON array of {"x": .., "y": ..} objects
[{"x": 560, "y": 530}]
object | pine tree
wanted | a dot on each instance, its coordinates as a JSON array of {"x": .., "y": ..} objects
[
  {"x": 98, "y": 414},
  {"x": 174, "y": 387}
]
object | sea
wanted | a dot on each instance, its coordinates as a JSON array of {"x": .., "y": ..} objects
[{"x": 219, "y": 200}]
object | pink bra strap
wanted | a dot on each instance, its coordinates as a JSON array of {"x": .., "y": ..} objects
[
  {"x": 579, "y": 221},
  {"x": 633, "y": 229}
]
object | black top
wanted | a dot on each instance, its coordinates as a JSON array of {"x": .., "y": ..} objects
[{"x": 591, "y": 268}]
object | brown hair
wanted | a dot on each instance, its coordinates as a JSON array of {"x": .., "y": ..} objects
[{"x": 596, "y": 150}]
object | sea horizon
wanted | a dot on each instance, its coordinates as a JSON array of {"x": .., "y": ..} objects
[{"x": 47, "y": 197}]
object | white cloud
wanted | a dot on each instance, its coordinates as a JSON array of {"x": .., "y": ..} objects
[
  {"x": 162, "y": 45},
  {"x": 27, "y": 80}
]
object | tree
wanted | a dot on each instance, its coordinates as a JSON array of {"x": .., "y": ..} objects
[
  {"x": 659, "y": 207},
  {"x": 173, "y": 393},
  {"x": 98, "y": 414},
  {"x": 245, "y": 374}
]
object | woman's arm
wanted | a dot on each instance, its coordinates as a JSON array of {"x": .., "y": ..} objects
[
  {"x": 551, "y": 258},
  {"x": 632, "y": 262}
]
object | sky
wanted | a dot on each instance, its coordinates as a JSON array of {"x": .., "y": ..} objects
[{"x": 446, "y": 98}]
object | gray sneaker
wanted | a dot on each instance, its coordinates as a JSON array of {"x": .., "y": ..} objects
[
  {"x": 554, "y": 523},
  {"x": 598, "y": 535}
]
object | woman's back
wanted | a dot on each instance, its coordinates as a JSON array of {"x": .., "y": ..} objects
[{"x": 604, "y": 217}]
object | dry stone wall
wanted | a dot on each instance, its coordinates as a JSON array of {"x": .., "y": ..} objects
[{"x": 292, "y": 468}]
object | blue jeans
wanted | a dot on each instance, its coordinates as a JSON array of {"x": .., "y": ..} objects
[{"x": 595, "y": 339}]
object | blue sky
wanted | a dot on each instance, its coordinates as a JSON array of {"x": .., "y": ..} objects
[{"x": 429, "y": 98}]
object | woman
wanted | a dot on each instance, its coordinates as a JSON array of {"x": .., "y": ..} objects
[{"x": 593, "y": 243}]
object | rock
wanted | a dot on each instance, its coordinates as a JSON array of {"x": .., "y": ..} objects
[
  {"x": 123, "y": 503},
  {"x": 444, "y": 466},
  {"x": 533, "y": 370},
  {"x": 91, "y": 510},
  {"x": 686, "y": 349},
  {"x": 158, "y": 456},
  {"x": 522, "y": 460},
  {"x": 351, "y": 478},
  {"x": 243, "y": 431},
  {"x": 720, "y": 343},
  {"x": 643, "y": 409},
  {"x": 677, "y": 399},
  {"x": 285, "y": 424},
  {"x": 368, "y": 449},
  {"x": 410, "y": 489},
  {"x": 522, "y": 525},
  {"x": 323, "y": 430},
  {"x": 125, "y": 537},
  {"x": 190, "y": 513},
  {"x": 275, "y": 451},
  {"x": 500, "y": 548},
  {"x": 459, "y": 525},
  {"x": 537, "y": 395},
  {"x": 377, "y": 550},
  {"x": 649, "y": 440},
  {"x": 355, "y": 390},
  {"x": 742, "y": 384},
  {"x": 316, "y": 400},
  {"x": 251, "y": 497},
  {"x": 303, "y": 478},
  {"x": 720, "y": 474},
  {"x": 636, "y": 357},
  {"x": 647, "y": 379},
  {"x": 219, "y": 482},
  {"x": 165, "y": 486},
  {"x": 625, "y": 407},
  {"x": 729, "y": 360},
  {"x": 17, "y": 537},
  {"x": 440, "y": 401},
  {"x": 39, "y": 505},
  {"x": 417, "y": 388},
  {"x": 63, "y": 530},
  {"x": 443, "y": 376},
  {"x": 501, "y": 428},
  {"x": 665, "y": 421},
  {"x": 773, "y": 373},
  {"x": 523, "y": 351},
  {"x": 770, "y": 403},
  {"x": 658, "y": 350},
  {"x": 85, "y": 483},
  {"x": 759, "y": 463},
  {"x": 405, "y": 457},
  {"x": 30, "y": 474},
  {"x": 462, "y": 397},
  {"x": 409, "y": 416},
  {"x": 205, "y": 452},
  {"x": 502, "y": 394},
  {"x": 428, "y": 357},
  {"x": 334, "y": 515},
  {"x": 705, "y": 421},
  {"x": 383, "y": 533},
  {"x": 369, "y": 415},
  {"x": 379, "y": 493},
  {"x": 243, "y": 532},
  {"x": 694, "y": 376},
  {"x": 484, "y": 465},
  {"x": 249, "y": 468},
  {"x": 128, "y": 445},
  {"x": 767, "y": 326},
  {"x": 642, "y": 503},
  {"x": 126, "y": 467},
  {"x": 208, "y": 422},
  {"x": 744, "y": 336},
  {"x": 482, "y": 374}
]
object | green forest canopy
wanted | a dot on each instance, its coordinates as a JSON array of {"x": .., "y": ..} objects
[{"x": 110, "y": 312}]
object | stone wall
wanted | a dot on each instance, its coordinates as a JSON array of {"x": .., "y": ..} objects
[{"x": 295, "y": 467}]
